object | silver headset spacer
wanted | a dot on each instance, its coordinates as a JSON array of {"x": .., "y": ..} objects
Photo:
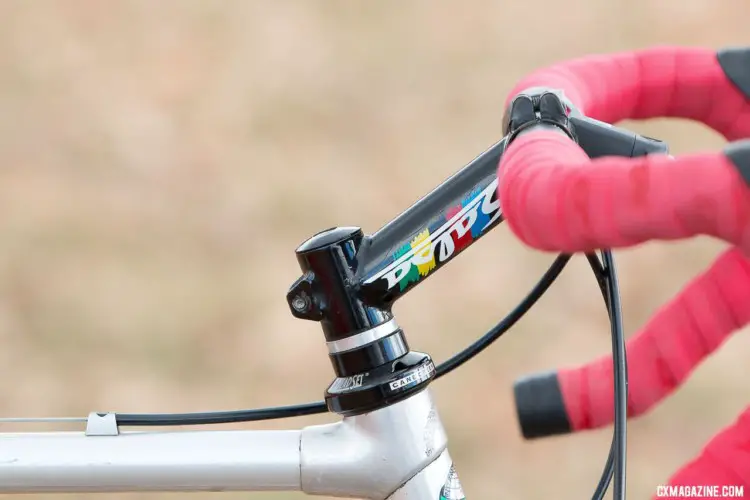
[{"x": 363, "y": 338}]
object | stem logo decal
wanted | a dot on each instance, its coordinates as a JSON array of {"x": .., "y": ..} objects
[
  {"x": 464, "y": 223},
  {"x": 452, "y": 489}
]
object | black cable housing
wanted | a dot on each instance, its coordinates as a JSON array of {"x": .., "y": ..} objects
[
  {"x": 299, "y": 410},
  {"x": 606, "y": 278}
]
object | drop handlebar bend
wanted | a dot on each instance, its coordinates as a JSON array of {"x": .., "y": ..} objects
[{"x": 555, "y": 198}]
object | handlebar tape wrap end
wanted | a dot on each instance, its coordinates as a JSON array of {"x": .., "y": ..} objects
[
  {"x": 540, "y": 407},
  {"x": 739, "y": 154},
  {"x": 736, "y": 65}
]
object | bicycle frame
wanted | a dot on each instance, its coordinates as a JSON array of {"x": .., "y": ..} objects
[{"x": 398, "y": 453}]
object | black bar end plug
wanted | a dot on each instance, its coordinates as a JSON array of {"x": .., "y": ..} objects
[{"x": 539, "y": 406}]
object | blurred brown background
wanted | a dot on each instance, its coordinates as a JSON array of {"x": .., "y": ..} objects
[{"x": 160, "y": 161}]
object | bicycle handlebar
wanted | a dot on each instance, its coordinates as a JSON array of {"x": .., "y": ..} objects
[
  {"x": 555, "y": 198},
  {"x": 635, "y": 200}
]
